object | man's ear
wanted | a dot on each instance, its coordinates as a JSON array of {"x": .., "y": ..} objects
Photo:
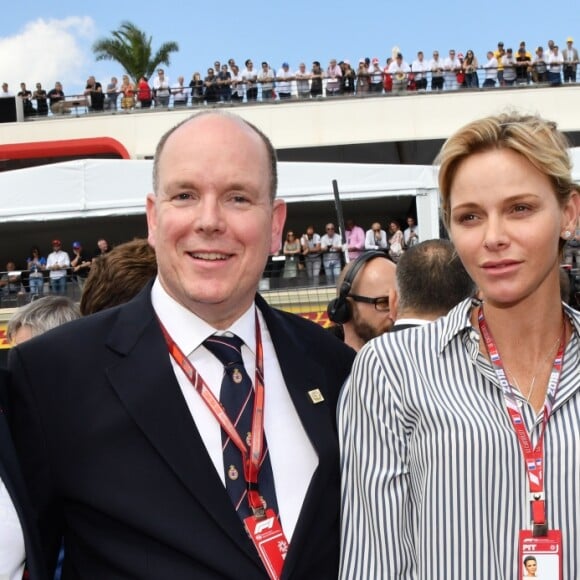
[
  {"x": 278, "y": 221},
  {"x": 151, "y": 211}
]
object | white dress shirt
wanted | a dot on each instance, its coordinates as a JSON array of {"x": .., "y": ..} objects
[
  {"x": 420, "y": 68},
  {"x": 292, "y": 455},
  {"x": 371, "y": 242},
  {"x": 11, "y": 539}
]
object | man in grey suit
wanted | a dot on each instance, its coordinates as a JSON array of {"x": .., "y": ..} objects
[{"x": 119, "y": 418}]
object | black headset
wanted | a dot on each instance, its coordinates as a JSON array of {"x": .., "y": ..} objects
[{"x": 339, "y": 309}]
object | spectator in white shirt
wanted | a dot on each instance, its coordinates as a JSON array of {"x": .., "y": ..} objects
[
  {"x": 5, "y": 92},
  {"x": 161, "y": 89},
  {"x": 555, "y": 66},
  {"x": 452, "y": 66},
  {"x": 179, "y": 91},
  {"x": 376, "y": 238},
  {"x": 400, "y": 70},
  {"x": 284, "y": 80},
  {"x": 420, "y": 68},
  {"x": 490, "y": 68}
]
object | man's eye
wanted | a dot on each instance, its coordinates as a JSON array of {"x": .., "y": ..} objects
[{"x": 183, "y": 196}]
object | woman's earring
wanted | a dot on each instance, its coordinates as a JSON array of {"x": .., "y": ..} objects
[{"x": 567, "y": 234}]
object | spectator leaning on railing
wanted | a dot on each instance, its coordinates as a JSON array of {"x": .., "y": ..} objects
[
  {"x": 338, "y": 79},
  {"x": 490, "y": 68},
  {"x": 57, "y": 263}
]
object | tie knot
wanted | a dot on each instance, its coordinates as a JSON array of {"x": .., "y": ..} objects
[{"x": 228, "y": 349}]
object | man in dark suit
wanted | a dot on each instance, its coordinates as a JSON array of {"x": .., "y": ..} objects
[
  {"x": 431, "y": 280},
  {"x": 121, "y": 450},
  {"x": 19, "y": 542}
]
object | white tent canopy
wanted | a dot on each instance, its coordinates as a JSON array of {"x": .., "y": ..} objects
[
  {"x": 104, "y": 187},
  {"x": 112, "y": 187}
]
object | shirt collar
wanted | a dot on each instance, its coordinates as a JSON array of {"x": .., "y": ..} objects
[
  {"x": 458, "y": 321},
  {"x": 574, "y": 316},
  {"x": 415, "y": 321},
  {"x": 189, "y": 330}
]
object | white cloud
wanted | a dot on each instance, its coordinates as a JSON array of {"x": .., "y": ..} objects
[{"x": 46, "y": 51}]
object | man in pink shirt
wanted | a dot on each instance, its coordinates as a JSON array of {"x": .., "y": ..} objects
[
  {"x": 355, "y": 240},
  {"x": 333, "y": 75}
]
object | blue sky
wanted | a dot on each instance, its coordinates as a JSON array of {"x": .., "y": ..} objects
[{"x": 48, "y": 41}]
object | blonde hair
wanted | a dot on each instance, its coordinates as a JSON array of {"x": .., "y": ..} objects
[{"x": 536, "y": 139}]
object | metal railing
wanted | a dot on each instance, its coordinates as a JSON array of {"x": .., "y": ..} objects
[
  {"x": 17, "y": 288},
  {"x": 76, "y": 105}
]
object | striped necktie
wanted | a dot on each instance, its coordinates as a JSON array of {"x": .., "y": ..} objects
[{"x": 237, "y": 398}]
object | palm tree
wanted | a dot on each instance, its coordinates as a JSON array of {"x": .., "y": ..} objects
[{"x": 131, "y": 48}]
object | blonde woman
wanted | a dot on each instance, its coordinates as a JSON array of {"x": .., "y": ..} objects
[
  {"x": 128, "y": 91},
  {"x": 437, "y": 481}
]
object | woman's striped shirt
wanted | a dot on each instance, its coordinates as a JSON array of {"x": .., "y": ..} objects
[{"x": 434, "y": 484}]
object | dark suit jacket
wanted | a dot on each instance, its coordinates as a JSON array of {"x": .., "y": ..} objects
[
  {"x": 14, "y": 483},
  {"x": 110, "y": 448}
]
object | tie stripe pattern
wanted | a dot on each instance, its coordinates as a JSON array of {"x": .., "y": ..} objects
[{"x": 237, "y": 398}]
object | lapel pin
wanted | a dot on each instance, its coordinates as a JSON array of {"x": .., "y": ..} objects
[{"x": 316, "y": 396}]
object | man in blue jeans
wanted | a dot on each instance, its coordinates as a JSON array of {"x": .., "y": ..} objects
[
  {"x": 331, "y": 246},
  {"x": 57, "y": 263}
]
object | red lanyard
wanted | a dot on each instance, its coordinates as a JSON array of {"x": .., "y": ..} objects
[
  {"x": 533, "y": 457},
  {"x": 251, "y": 457}
]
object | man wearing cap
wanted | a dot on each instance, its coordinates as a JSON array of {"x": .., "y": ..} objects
[
  {"x": 399, "y": 70},
  {"x": 80, "y": 264},
  {"x": 376, "y": 76},
  {"x": 570, "y": 57},
  {"x": 509, "y": 67},
  {"x": 539, "y": 66},
  {"x": 524, "y": 52},
  {"x": 499, "y": 54},
  {"x": 284, "y": 80},
  {"x": 523, "y": 65},
  {"x": 57, "y": 263}
]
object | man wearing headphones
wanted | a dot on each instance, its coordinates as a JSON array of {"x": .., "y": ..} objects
[{"x": 367, "y": 295}]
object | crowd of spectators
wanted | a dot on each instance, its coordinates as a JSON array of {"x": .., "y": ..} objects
[
  {"x": 60, "y": 272},
  {"x": 315, "y": 259},
  {"x": 310, "y": 259},
  {"x": 233, "y": 83}
]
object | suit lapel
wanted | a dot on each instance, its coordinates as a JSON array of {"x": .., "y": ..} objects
[
  {"x": 303, "y": 380},
  {"x": 146, "y": 385}
]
